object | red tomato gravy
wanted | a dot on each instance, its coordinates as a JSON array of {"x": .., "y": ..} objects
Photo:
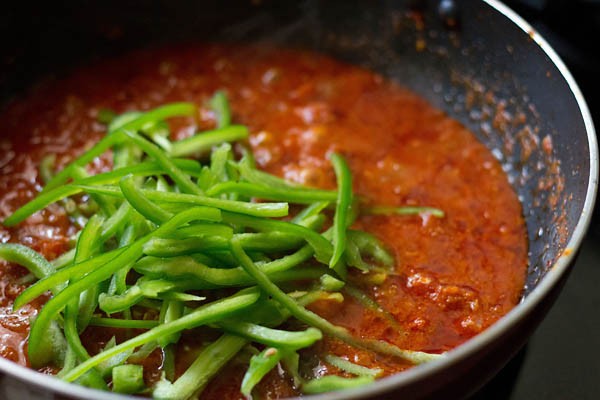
[{"x": 454, "y": 276}]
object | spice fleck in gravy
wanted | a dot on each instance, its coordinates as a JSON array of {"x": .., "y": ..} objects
[{"x": 454, "y": 276}]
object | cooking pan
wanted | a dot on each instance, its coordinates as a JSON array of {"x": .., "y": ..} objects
[{"x": 476, "y": 60}]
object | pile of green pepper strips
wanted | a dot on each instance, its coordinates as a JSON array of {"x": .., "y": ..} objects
[{"x": 172, "y": 231}]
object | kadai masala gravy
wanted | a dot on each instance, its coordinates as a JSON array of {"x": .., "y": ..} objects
[{"x": 459, "y": 257}]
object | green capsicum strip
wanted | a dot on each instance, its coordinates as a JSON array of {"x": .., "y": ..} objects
[
  {"x": 248, "y": 172},
  {"x": 86, "y": 245},
  {"x": 159, "y": 113},
  {"x": 296, "y": 195},
  {"x": 204, "y": 141},
  {"x": 220, "y": 105},
  {"x": 272, "y": 337},
  {"x": 43, "y": 200},
  {"x": 254, "y": 209},
  {"x": 219, "y": 158},
  {"x": 171, "y": 310},
  {"x": 331, "y": 383},
  {"x": 179, "y": 267},
  {"x": 123, "y": 323},
  {"x": 343, "y": 203},
  {"x": 128, "y": 378},
  {"x": 310, "y": 318},
  {"x": 202, "y": 315},
  {"x": 208, "y": 363},
  {"x": 201, "y": 230},
  {"x": 141, "y": 204},
  {"x": 144, "y": 288},
  {"x": 61, "y": 276},
  {"x": 260, "y": 365},
  {"x": 404, "y": 210},
  {"x": 182, "y": 180},
  {"x": 320, "y": 245},
  {"x": 262, "y": 241},
  {"x": 28, "y": 258},
  {"x": 352, "y": 368}
]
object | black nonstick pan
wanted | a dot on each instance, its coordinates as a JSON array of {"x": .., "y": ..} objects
[{"x": 476, "y": 60}]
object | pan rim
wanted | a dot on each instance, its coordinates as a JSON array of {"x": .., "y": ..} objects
[{"x": 511, "y": 319}]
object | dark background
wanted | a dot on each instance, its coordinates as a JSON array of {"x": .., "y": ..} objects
[{"x": 562, "y": 359}]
